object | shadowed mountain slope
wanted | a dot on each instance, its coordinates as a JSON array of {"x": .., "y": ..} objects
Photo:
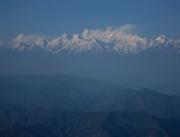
[{"x": 75, "y": 93}]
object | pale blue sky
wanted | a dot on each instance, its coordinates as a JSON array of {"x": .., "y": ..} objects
[{"x": 54, "y": 17}]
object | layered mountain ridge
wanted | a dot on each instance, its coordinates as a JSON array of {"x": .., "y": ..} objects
[
  {"x": 73, "y": 93},
  {"x": 66, "y": 106}
]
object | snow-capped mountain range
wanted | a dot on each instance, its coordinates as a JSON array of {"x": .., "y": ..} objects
[{"x": 121, "y": 40}]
